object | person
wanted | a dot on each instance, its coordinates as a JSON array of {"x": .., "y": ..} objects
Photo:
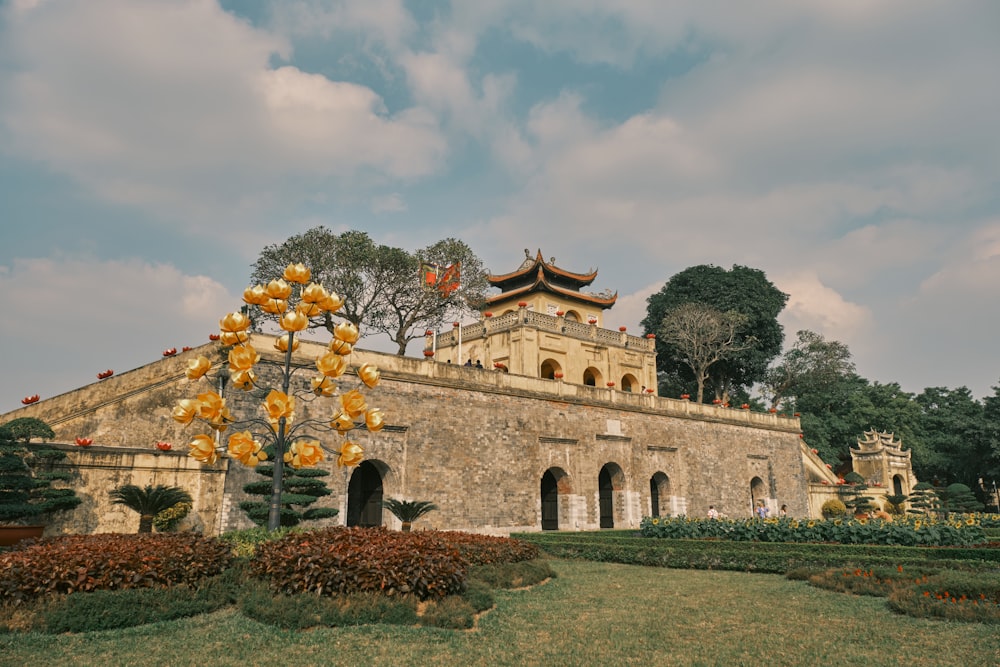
[
  {"x": 468, "y": 362},
  {"x": 712, "y": 512},
  {"x": 479, "y": 363},
  {"x": 783, "y": 512},
  {"x": 762, "y": 511}
]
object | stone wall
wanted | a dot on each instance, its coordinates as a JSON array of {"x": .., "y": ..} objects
[{"x": 475, "y": 442}]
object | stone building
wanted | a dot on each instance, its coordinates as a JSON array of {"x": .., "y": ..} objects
[{"x": 537, "y": 439}]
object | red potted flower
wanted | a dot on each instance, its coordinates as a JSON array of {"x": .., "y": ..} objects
[
  {"x": 163, "y": 446},
  {"x": 84, "y": 442}
]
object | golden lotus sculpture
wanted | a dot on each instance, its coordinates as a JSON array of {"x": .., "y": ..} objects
[{"x": 294, "y": 442}]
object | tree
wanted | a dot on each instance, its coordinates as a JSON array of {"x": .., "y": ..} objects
[
  {"x": 301, "y": 488},
  {"x": 955, "y": 434},
  {"x": 149, "y": 501},
  {"x": 408, "y": 511},
  {"x": 813, "y": 365},
  {"x": 742, "y": 289},
  {"x": 924, "y": 499},
  {"x": 701, "y": 337},
  {"x": 380, "y": 284},
  {"x": 26, "y": 477},
  {"x": 27, "y": 428},
  {"x": 853, "y": 494},
  {"x": 960, "y": 498}
]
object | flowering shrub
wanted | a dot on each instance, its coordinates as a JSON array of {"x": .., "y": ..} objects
[
  {"x": 108, "y": 562},
  {"x": 168, "y": 519},
  {"x": 489, "y": 550},
  {"x": 953, "y": 595},
  {"x": 919, "y": 531}
]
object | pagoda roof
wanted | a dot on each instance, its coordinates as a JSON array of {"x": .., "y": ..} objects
[
  {"x": 533, "y": 268},
  {"x": 542, "y": 284}
]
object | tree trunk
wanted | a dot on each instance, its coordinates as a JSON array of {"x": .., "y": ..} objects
[
  {"x": 145, "y": 523},
  {"x": 406, "y": 526}
]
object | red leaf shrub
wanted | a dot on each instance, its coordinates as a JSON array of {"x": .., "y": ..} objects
[
  {"x": 108, "y": 562},
  {"x": 489, "y": 549},
  {"x": 336, "y": 561}
]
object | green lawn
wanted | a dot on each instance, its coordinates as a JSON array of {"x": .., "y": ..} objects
[{"x": 592, "y": 614}]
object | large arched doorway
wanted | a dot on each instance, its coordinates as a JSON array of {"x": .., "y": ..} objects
[
  {"x": 758, "y": 493},
  {"x": 555, "y": 483},
  {"x": 364, "y": 496},
  {"x": 610, "y": 483},
  {"x": 659, "y": 494}
]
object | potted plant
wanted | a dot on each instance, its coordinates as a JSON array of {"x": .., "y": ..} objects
[
  {"x": 408, "y": 511},
  {"x": 149, "y": 501},
  {"x": 26, "y": 476}
]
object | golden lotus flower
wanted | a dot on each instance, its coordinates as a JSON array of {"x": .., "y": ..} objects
[
  {"x": 323, "y": 386},
  {"x": 294, "y": 321},
  {"x": 331, "y": 364},
  {"x": 274, "y": 306},
  {"x": 245, "y": 449},
  {"x": 234, "y": 322},
  {"x": 342, "y": 423},
  {"x": 242, "y": 358},
  {"x": 212, "y": 408},
  {"x": 278, "y": 289},
  {"x": 203, "y": 449},
  {"x": 340, "y": 347},
  {"x": 314, "y": 293},
  {"x": 297, "y": 273},
  {"x": 347, "y": 332},
  {"x": 304, "y": 453},
  {"x": 234, "y": 337},
  {"x": 353, "y": 403},
  {"x": 351, "y": 454},
  {"x": 243, "y": 380},
  {"x": 369, "y": 374},
  {"x": 198, "y": 367},
  {"x": 185, "y": 410},
  {"x": 254, "y": 295},
  {"x": 374, "y": 420},
  {"x": 281, "y": 343},
  {"x": 332, "y": 303},
  {"x": 308, "y": 309},
  {"x": 279, "y": 404}
]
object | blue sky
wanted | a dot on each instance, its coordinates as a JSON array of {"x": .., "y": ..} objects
[{"x": 848, "y": 148}]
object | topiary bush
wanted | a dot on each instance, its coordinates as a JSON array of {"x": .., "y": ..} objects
[
  {"x": 338, "y": 561},
  {"x": 833, "y": 508}
]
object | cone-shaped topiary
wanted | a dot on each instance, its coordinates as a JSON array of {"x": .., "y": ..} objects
[
  {"x": 149, "y": 501},
  {"x": 26, "y": 493}
]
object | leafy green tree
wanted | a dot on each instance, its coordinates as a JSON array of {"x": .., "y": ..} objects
[
  {"x": 813, "y": 366},
  {"x": 960, "y": 498},
  {"x": 26, "y": 477},
  {"x": 380, "y": 284},
  {"x": 149, "y": 501},
  {"x": 924, "y": 499},
  {"x": 896, "y": 503},
  {"x": 955, "y": 433},
  {"x": 301, "y": 489},
  {"x": 27, "y": 428},
  {"x": 853, "y": 493},
  {"x": 408, "y": 511},
  {"x": 742, "y": 289}
]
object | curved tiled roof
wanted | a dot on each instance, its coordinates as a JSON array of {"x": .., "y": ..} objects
[
  {"x": 542, "y": 284},
  {"x": 551, "y": 272}
]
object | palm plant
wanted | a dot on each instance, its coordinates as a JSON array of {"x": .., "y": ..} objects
[
  {"x": 149, "y": 501},
  {"x": 408, "y": 511}
]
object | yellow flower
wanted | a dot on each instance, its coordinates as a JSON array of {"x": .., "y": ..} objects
[
  {"x": 351, "y": 454},
  {"x": 297, "y": 273},
  {"x": 314, "y": 293},
  {"x": 655, "y": 521},
  {"x": 203, "y": 449},
  {"x": 234, "y": 322},
  {"x": 811, "y": 524},
  {"x": 234, "y": 337},
  {"x": 245, "y": 449},
  {"x": 254, "y": 295},
  {"x": 342, "y": 423},
  {"x": 353, "y": 403},
  {"x": 916, "y": 525},
  {"x": 304, "y": 453},
  {"x": 212, "y": 408},
  {"x": 971, "y": 521},
  {"x": 331, "y": 364},
  {"x": 278, "y": 405},
  {"x": 185, "y": 410},
  {"x": 243, "y": 380},
  {"x": 369, "y": 374},
  {"x": 281, "y": 343},
  {"x": 242, "y": 358},
  {"x": 274, "y": 306},
  {"x": 347, "y": 332},
  {"x": 198, "y": 367},
  {"x": 340, "y": 347},
  {"x": 278, "y": 289},
  {"x": 308, "y": 309},
  {"x": 331, "y": 303},
  {"x": 323, "y": 386},
  {"x": 374, "y": 420},
  {"x": 294, "y": 321}
]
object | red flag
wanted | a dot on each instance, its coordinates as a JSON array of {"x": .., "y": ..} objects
[
  {"x": 429, "y": 274},
  {"x": 451, "y": 280}
]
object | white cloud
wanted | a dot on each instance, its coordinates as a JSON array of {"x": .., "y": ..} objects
[{"x": 392, "y": 203}]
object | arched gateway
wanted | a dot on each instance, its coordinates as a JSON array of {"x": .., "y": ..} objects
[{"x": 364, "y": 496}]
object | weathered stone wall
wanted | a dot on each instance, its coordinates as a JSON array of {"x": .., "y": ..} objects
[{"x": 475, "y": 442}]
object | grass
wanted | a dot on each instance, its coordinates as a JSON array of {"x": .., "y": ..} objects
[{"x": 592, "y": 613}]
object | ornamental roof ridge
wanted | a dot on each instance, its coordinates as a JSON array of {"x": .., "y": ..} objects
[{"x": 538, "y": 261}]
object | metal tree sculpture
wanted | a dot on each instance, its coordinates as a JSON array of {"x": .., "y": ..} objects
[{"x": 278, "y": 428}]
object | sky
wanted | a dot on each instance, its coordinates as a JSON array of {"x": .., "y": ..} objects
[{"x": 848, "y": 148}]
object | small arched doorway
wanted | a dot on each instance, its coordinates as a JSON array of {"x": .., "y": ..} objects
[
  {"x": 364, "y": 496},
  {"x": 758, "y": 493},
  {"x": 592, "y": 377},
  {"x": 610, "y": 483},
  {"x": 659, "y": 494},
  {"x": 629, "y": 382},
  {"x": 549, "y": 368},
  {"x": 552, "y": 480},
  {"x": 897, "y": 485},
  {"x": 572, "y": 316}
]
